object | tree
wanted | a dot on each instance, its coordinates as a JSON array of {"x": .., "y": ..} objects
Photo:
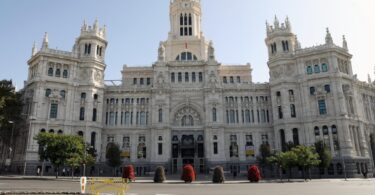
[
  {"x": 288, "y": 161},
  {"x": 306, "y": 158},
  {"x": 58, "y": 149},
  {"x": 325, "y": 155},
  {"x": 218, "y": 176},
  {"x": 113, "y": 156},
  {"x": 10, "y": 110},
  {"x": 276, "y": 159},
  {"x": 265, "y": 152}
]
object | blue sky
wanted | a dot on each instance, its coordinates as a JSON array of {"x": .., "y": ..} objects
[{"x": 135, "y": 28}]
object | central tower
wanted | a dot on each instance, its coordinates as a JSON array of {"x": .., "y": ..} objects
[{"x": 185, "y": 40}]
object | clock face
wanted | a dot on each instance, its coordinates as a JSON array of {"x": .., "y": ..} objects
[{"x": 185, "y": 5}]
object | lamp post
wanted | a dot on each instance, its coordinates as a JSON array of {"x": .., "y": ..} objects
[{"x": 11, "y": 142}]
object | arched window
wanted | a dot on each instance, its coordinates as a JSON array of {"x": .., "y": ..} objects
[
  {"x": 83, "y": 95},
  {"x": 160, "y": 115},
  {"x": 295, "y": 136},
  {"x": 327, "y": 88},
  {"x": 312, "y": 90},
  {"x": 94, "y": 114},
  {"x": 60, "y": 132},
  {"x": 324, "y": 67},
  {"x": 43, "y": 130},
  {"x": 50, "y": 71},
  {"x": 282, "y": 140},
  {"x": 96, "y": 96},
  {"x": 48, "y": 92},
  {"x": 214, "y": 117},
  {"x": 172, "y": 77},
  {"x": 309, "y": 70},
  {"x": 186, "y": 56},
  {"x": 65, "y": 73},
  {"x": 82, "y": 114},
  {"x": 93, "y": 139},
  {"x": 51, "y": 131},
  {"x": 317, "y": 134},
  {"x": 80, "y": 133},
  {"x": 58, "y": 72},
  {"x": 326, "y": 136},
  {"x": 62, "y": 94},
  {"x": 335, "y": 138},
  {"x": 316, "y": 68}
]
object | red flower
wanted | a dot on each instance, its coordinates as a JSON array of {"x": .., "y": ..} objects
[
  {"x": 128, "y": 172},
  {"x": 253, "y": 174},
  {"x": 188, "y": 174}
]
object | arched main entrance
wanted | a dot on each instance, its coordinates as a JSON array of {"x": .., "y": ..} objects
[{"x": 188, "y": 148}]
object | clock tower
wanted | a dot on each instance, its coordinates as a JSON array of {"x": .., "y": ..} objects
[{"x": 185, "y": 40}]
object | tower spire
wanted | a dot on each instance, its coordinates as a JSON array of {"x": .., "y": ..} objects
[
  {"x": 276, "y": 23},
  {"x": 34, "y": 50},
  {"x": 329, "y": 40},
  {"x": 344, "y": 43},
  {"x": 45, "y": 41}
]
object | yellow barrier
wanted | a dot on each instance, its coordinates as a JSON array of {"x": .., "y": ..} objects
[{"x": 107, "y": 185}]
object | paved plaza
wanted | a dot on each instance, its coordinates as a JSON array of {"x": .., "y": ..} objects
[{"x": 175, "y": 187}]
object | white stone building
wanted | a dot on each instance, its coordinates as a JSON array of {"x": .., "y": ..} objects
[{"x": 189, "y": 108}]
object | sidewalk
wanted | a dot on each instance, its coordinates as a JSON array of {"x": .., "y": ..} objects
[{"x": 175, "y": 179}]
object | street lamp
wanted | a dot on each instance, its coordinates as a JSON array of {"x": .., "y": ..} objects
[{"x": 11, "y": 142}]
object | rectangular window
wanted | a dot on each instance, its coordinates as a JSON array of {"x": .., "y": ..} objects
[
  {"x": 160, "y": 148},
  {"x": 193, "y": 79},
  {"x": 238, "y": 79},
  {"x": 215, "y": 148},
  {"x": 53, "y": 112},
  {"x": 280, "y": 110},
  {"x": 179, "y": 77},
  {"x": 141, "y": 81},
  {"x": 231, "y": 79},
  {"x": 186, "y": 77},
  {"x": 148, "y": 81},
  {"x": 134, "y": 81},
  {"x": 200, "y": 77},
  {"x": 322, "y": 107},
  {"x": 225, "y": 80}
]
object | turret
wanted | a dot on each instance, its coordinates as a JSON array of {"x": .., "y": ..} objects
[
  {"x": 92, "y": 41},
  {"x": 280, "y": 38}
]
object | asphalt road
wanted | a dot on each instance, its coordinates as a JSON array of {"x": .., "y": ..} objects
[{"x": 324, "y": 187}]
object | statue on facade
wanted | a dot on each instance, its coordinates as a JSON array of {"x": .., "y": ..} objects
[{"x": 161, "y": 52}]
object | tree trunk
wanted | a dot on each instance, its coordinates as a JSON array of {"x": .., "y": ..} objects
[{"x": 281, "y": 173}]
